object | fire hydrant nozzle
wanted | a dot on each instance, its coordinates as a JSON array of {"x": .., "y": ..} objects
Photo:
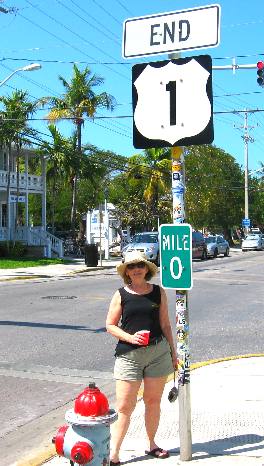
[{"x": 82, "y": 453}]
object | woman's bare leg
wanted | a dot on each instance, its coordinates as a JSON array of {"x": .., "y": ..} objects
[
  {"x": 153, "y": 389},
  {"x": 126, "y": 398}
]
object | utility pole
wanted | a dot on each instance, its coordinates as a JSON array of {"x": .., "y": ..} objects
[{"x": 247, "y": 138}]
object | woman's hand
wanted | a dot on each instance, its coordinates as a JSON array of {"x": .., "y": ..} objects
[
  {"x": 175, "y": 360},
  {"x": 137, "y": 339}
]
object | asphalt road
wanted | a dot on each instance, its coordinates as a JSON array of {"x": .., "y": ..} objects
[{"x": 53, "y": 340}]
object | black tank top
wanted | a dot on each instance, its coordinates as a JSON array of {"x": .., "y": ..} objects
[{"x": 139, "y": 312}]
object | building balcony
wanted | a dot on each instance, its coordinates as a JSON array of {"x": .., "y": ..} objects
[{"x": 32, "y": 183}]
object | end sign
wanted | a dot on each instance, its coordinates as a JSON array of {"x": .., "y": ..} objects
[
  {"x": 188, "y": 29},
  {"x": 176, "y": 256}
]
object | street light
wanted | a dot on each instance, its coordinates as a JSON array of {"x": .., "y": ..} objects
[{"x": 31, "y": 67}]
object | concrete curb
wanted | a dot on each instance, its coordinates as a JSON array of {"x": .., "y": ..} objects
[
  {"x": 70, "y": 273},
  {"x": 38, "y": 458}
]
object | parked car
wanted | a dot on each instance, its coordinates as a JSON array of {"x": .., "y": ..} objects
[
  {"x": 253, "y": 242},
  {"x": 147, "y": 242},
  {"x": 216, "y": 244},
  {"x": 199, "y": 250}
]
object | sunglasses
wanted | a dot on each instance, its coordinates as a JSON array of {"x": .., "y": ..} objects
[{"x": 138, "y": 265}]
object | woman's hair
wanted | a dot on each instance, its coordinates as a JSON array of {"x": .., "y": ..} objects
[{"x": 148, "y": 277}]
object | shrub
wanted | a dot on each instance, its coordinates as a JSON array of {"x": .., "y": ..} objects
[{"x": 10, "y": 249}]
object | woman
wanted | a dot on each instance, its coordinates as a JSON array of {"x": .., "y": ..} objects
[{"x": 140, "y": 305}]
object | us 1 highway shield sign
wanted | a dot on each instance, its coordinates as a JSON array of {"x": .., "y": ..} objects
[{"x": 172, "y": 102}]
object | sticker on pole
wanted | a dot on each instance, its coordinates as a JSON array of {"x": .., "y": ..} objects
[
  {"x": 176, "y": 256},
  {"x": 173, "y": 103}
]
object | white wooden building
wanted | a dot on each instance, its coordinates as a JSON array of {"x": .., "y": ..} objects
[{"x": 24, "y": 184}]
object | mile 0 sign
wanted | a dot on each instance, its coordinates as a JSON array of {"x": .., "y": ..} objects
[
  {"x": 172, "y": 102},
  {"x": 176, "y": 256}
]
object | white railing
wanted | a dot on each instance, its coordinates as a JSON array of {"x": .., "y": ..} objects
[
  {"x": 36, "y": 236},
  {"x": 39, "y": 237},
  {"x": 33, "y": 182},
  {"x": 3, "y": 234}
]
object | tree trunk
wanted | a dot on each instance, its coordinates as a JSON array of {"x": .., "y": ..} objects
[
  {"x": 228, "y": 235},
  {"x": 75, "y": 179}
]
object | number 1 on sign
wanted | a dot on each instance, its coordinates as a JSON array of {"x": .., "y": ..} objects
[{"x": 171, "y": 87}]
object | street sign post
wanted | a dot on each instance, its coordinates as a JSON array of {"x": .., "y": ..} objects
[
  {"x": 164, "y": 115},
  {"x": 188, "y": 29},
  {"x": 176, "y": 256},
  {"x": 173, "y": 102}
]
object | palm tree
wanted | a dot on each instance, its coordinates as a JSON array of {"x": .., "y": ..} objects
[
  {"x": 59, "y": 152},
  {"x": 79, "y": 100},
  {"x": 153, "y": 168},
  {"x": 14, "y": 129}
]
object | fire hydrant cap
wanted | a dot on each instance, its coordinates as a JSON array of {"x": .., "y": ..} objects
[
  {"x": 91, "y": 402},
  {"x": 82, "y": 453}
]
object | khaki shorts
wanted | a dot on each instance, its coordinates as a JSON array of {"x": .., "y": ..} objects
[{"x": 148, "y": 361}]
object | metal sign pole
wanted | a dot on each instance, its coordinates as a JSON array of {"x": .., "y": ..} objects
[
  {"x": 182, "y": 316},
  {"x": 181, "y": 311}
]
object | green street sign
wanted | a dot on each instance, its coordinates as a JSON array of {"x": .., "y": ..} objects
[{"x": 176, "y": 256}]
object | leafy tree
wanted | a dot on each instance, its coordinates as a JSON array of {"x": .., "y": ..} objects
[
  {"x": 256, "y": 197},
  {"x": 214, "y": 189},
  {"x": 145, "y": 186},
  {"x": 79, "y": 100}
]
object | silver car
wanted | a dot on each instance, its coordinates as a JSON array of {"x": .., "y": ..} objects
[
  {"x": 253, "y": 242},
  {"x": 147, "y": 242},
  {"x": 216, "y": 244}
]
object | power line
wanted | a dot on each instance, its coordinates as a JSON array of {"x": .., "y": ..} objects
[
  {"x": 125, "y": 8},
  {"x": 101, "y": 31},
  {"x": 70, "y": 30},
  {"x": 104, "y": 27},
  {"x": 68, "y": 44},
  {"x": 131, "y": 116},
  {"x": 107, "y": 12},
  {"x": 97, "y": 62}
]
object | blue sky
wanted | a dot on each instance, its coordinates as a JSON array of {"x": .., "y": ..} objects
[{"x": 56, "y": 33}]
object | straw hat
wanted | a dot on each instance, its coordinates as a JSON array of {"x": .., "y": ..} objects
[{"x": 132, "y": 258}]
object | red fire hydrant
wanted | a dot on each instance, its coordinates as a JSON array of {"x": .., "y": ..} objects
[{"x": 87, "y": 439}]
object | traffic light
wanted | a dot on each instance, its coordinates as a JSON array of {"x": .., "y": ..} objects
[{"x": 260, "y": 73}]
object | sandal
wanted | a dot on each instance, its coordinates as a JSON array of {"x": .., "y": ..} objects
[
  {"x": 115, "y": 463},
  {"x": 158, "y": 453}
]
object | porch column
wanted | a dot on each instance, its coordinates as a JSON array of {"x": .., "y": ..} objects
[
  {"x": 44, "y": 193},
  {"x": 88, "y": 227},
  {"x": 26, "y": 191}
]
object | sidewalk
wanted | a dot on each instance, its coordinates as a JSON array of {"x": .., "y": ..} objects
[
  {"x": 76, "y": 265},
  {"x": 227, "y": 402},
  {"x": 56, "y": 270}
]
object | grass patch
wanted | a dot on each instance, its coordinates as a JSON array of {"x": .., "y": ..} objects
[{"x": 27, "y": 262}]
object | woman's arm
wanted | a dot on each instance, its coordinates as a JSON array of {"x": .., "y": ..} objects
[{"x": 166, "y": 326}]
